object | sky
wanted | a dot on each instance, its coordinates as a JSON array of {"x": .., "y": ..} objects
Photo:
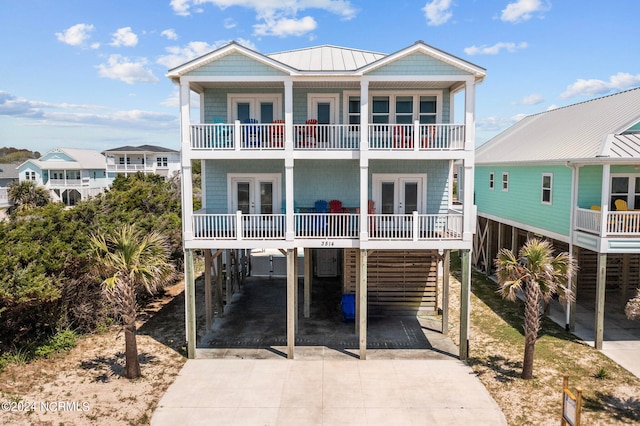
[{"x": 92, "y": 73}]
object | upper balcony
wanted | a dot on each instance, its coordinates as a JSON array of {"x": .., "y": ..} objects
[
  {"x": 613, "y": 224},
  {"x": 327, "y": 137}
]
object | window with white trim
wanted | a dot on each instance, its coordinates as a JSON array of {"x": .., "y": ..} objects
[
  {"x": 162, "y": 161},
  {"x": 505, "y": 181},
  {"x": 547, "y": 186},
  {"x": 492, "y": 177},
  {"x": 30, "y": 175}
]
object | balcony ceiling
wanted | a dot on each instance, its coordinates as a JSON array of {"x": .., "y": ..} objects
[{"x": 331, "y": 84}]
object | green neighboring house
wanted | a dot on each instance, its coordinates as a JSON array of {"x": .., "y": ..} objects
[{"x": 572, "y": 175}]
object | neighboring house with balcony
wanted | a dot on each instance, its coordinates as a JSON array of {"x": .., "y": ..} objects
[
  {"x": 571, "y": 175},
  {"x": 347, "y": 154},
  {"x": 69, "y": 174},
  {"x": 8, "y": 175},
  {"x": 148, "y": 159}
]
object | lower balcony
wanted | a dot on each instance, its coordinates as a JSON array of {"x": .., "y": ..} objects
[
  {"x": 617, "y": 223},
  {"x": 328, "y": 226}
]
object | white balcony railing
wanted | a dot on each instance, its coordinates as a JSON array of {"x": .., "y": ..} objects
[
  {"x": 619, "y": 223},
  {"x": 412, "y": 227},
  {"x": 129, "y": 167},
  {"x": 257, "y": 136},
  {"x": 67, "y": 182}
]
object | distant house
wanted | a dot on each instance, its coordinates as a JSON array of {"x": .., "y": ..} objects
[
  {"x": 69, "y": 174},
  {"x": 571, "y": 175},
  {"x": 147, "y": 159},
  {"x": 8, "y": 174},
  {"x": 343, "y": 153}
]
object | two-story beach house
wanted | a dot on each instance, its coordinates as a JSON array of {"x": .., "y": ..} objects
[
  {"x": 70, "y": 174},
  {"x": 8, "y": 175},
  {"x": 571, "y": 175},
  {"x": 333, "y": 149},
  {"x": 147, "y": 159}
]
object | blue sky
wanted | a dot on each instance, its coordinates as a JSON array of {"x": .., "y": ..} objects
[{"x": 91, "y": 73}]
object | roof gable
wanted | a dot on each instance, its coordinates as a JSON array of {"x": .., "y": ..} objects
[
  {"x": 326, "y": 58},
  {"x": 578, "y": 131},
  {"x": 418, "y": 63}
]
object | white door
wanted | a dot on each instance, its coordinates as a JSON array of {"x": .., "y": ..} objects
[
  {"x": 259, "y": 194},
  {"x": 323, "y": 108},
  {"x": 400, "y": 195}
]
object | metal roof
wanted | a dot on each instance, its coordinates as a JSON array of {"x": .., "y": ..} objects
[
  {"x": 326, "y": 58},
  {"x": 579, "y": 131},
  {"x": 82, "y": 159},
  {"x": 8, "y": 171},
  {"x": 140, "y": 149}
]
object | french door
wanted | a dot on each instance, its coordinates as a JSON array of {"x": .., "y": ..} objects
[
  {"x": 625, "y": 188},
  {"x": 255, "y": 195},
  {"x": 398, "y": 194}
]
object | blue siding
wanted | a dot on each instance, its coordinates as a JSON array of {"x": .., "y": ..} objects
[
  {"x": 236, "y": 64},
  {"x": 418, "y": 64}
]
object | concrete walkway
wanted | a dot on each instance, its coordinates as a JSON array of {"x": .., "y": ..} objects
[
  {"x": 621, "y": 340},
  {"x": 327, "y": 391}
]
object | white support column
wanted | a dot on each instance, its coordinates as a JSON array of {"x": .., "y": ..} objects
[
  {"x": 291, "y": 316},
  {"x": 362, "y": 317},
  {"x": 364, "y": 115},
  {"x": 364, "y": 199},
  {"x": 288, "y": 115},
  {"x": 357, "y": 286},
  {"x": 296, "y": 289},
  {"x": 208, "y": 296},
  {"x": 604, "y": 198},
  {"x": 469, "y": 115},
  {"x": 290, "y": 231},
  {"x": 469, "y": 219},
  {"x": 185, "y": 152}
]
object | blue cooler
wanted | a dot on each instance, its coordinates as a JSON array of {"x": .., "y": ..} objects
[{"x": 348, "y": 307}]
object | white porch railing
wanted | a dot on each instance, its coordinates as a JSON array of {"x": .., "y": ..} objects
[
  {"x": 65, "y": 182},
  {"x": 416, "y": 227},
  {"x": 416, "y": 136},
  {"x": 326, "y": 225},
  {"x": 129, "y": 167},
  {"x": 257, "y": 136},
  {"x": 617, "y": 222}
]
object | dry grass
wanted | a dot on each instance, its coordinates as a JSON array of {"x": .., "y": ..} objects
[
  {"x": 92, "y": 375},
  {"x": 496, "y": 353}
]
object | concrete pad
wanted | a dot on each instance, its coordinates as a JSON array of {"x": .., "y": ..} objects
[{"x": 327, "y": 392}]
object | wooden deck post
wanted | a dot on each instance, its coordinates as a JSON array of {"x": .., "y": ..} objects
[
  {"x": 357, "y": 286},
  {"x": 291, "y": 304},
  {"x": 624, "y": 290},
  {"x": 362, "y": 319},
  {"x": 208, "y": 299},
  {"x": 465, "y": 287},
  {"x": 308, "y": 275},
  {"x": 574, "y": 289},
  {"x": 446, "y": 269},
  {"x": 219, "y": 298},
  {"x": 490, "y": 236},
  {"x": 190, "y": 304},
  {"x": 601, "y": 284},
  {"x": 229, "y": 271}
]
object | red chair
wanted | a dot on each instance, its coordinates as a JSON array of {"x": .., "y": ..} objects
[
  {"x": 277, "y": 133},
  {"x": 400, "y": 140},
  {"x": 335, "y": 206},
  {"x": 308, "y": 133}
]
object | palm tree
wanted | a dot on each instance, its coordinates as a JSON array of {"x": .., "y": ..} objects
[
  {"x": 27, "y": 194},
  {"x": 540, "y": 275},
  {"x": 131, "y": 261}
]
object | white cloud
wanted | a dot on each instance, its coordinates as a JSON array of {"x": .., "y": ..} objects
[
  {"x": 121, "y": 68},
  {"x": 437, "y": 12},
  {"x": 522, "y": 10},
  {"x": 77, "y": 35},
  {"x": 230, "y": 23},
  {"x": 285, "y": 27},
  {"x": 275, "y": 17},
  {"x": 179, "y": 55},
  {"x": 170, "y": 34},
  {"x": 496, "y": 124},
  {"x": 534, "y": 99},
  {"x": 552, "y": 106},
  {"x": 620, "y": 81},
  {"x": 124, "y": 37},
  {"x": 495, "y": 49}
]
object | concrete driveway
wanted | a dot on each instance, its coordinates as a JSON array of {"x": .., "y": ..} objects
[{"x": 327, "y": 391}]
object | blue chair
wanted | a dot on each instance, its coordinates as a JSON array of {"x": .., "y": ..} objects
[
  {"x": 251, "y": 133},
  {"x": 321, "y": 206},
  {"x": 221, "y": 133}
]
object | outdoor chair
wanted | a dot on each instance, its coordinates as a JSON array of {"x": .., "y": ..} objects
[
  {"x": 307, "y": 134},
  {"x": 251, "y": 132},
  {"x": 220, "y": 133},
  {"x": 335, "y": 206},
  {"x": 277, "y": 134},
  {"x": 621, "y": 205},
  {"x": 320, "y": 221}
]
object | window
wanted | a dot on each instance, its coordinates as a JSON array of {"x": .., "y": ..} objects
[
  {"x": 627, "y": 188},
  {"x": 354, "y": 110},
  {"x": 505, "y": 181},
  {"x": 547, "y": 182},
  {"x": 427, "y": 110},
  {"x": 263, "y": 107},
  {"x": 404, "y": 109},
  {"x": 491, "y": 180},
  {"x": 162, "y": 161},
  {"x": 30, "y": 175},
  {"x": 380, "y": 111}
]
